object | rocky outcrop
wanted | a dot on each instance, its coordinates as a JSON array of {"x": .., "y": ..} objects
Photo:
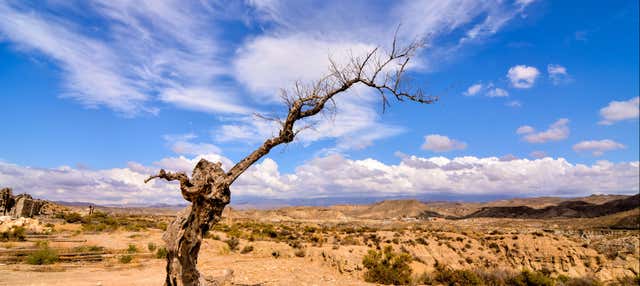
[{"x": 23, "y": 205}]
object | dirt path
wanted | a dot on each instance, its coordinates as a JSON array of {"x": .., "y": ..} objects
[{"x": 247, "y": 271}]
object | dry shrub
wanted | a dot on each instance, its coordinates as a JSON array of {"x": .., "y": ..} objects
[{"x": 387, "y": 267}]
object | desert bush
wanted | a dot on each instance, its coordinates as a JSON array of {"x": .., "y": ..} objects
[
  {"x": 161, "y": 253},
  {"x": 72, "y": 217},
  {"x": 88, "y": 248},
  {"x": 44, "y": 255},
  {"x": 151, "y": 246},
  {"x": 531, "y": 278},
  {"x": 387, "y": 267},
  {"x": 448, "y": 276},
  {"x": 246, "y": 249},
  {"x": 125, "y": 259},
  {"x": 233, "y": 243},
  {"x": 132, "y": 248},
  {"x": 99, "y": 221},
  {"x": 15, "y": 233}
]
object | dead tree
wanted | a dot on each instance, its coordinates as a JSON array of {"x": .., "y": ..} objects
[{"x": 208, "y": 188}]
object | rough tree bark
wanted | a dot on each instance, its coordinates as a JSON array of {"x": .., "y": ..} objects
[{"x": 208, "y": 188}]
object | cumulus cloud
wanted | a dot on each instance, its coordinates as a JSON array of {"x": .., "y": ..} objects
[
  {"x": 473, "y": 90},
  {"x": 522, "y": 76},
  {"x": 557, "y": 131},
  {"x": 619, "y": 111},
  {"x": 597, "y": 147},
  {"x": 440, "y": 143},
  {"x": 557, "y": 73},
  {"x": 341, "y": 177}
]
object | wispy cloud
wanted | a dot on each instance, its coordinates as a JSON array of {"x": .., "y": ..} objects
[
  {"x": 558, "y": 74},
  {"x": 141, "y": 56},
  {"x": 597, "y": 147}
]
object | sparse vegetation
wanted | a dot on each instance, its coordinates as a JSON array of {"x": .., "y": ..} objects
[
  {"x": 233, "y": 243},
  {"x": 161, "y": 253},
  {"x": 44, "y": 255},
  {"x": 387, "y": 267},
  {"x": 125, "y": 259},
  {"x": 246, "y": 249},
  {"x": 15, "y": 233}
]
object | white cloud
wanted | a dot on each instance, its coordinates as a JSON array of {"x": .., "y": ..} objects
[
  {"x": 620, "y": 110},
  {"x": 341, "y": 177},
  {"x": 557, "y": 73},
  {"x": 525, "y": 129},
  {"x": 203, "y": 99},
  {"x": 132, "y": 52},
  {"x": 181, "y": 144},
  {"x": 440, "y": 143},
  {"x": 473, "y": 90},
  {"x": 597, "y": 147},
  {"x": 557, "y": 131},
  {"x": 522, "y": 76},
  {"x": 497, "y": 92}
]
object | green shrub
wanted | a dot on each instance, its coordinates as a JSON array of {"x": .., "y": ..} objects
[
  {"x": 151, "y": 246},
  {"x": 16, "y": 233},
  {"x": 530, "y": 278},
  {"x": 387, "y": 267},
  {"x": 448, "y": 276},
  {"x": 233, "y": 243},
  {"x": 73, "y": 217},
  {"x": 88, "y": 248},
  {"x": 161, "y": 253},
  {"x": 132, "y": 248},
  {"x": 99, "y": 221},
  {"x": 44, "y": 255},
  {"x": 125, "y": 259},
  {"x": 247, "y": 249}
]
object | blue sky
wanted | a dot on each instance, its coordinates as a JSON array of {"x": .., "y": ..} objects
[{"x": 536, "y": 97}]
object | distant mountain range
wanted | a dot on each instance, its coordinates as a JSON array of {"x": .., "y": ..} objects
[{"x": 567, "y": 209}]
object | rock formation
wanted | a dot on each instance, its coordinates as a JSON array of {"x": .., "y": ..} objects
[{"x": 22, "y": 205}]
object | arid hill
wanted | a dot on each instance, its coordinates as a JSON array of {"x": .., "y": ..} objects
[
  {"x": 542, "y": 207},
  {"x": 566, "y": 209}
]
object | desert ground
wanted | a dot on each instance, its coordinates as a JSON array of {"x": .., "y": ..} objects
[{"x": 324, "y": 245}]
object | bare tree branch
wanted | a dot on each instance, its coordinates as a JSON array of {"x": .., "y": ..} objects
[{"x": 309, "y": 100}]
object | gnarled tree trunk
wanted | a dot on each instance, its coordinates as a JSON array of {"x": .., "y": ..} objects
[{"x": 208, "y": 192}]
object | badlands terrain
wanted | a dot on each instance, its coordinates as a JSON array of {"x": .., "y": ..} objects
[{"x": 535, "y": 241}]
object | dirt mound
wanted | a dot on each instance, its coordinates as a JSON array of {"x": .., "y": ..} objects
[{"x": 389, "y": 209}]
